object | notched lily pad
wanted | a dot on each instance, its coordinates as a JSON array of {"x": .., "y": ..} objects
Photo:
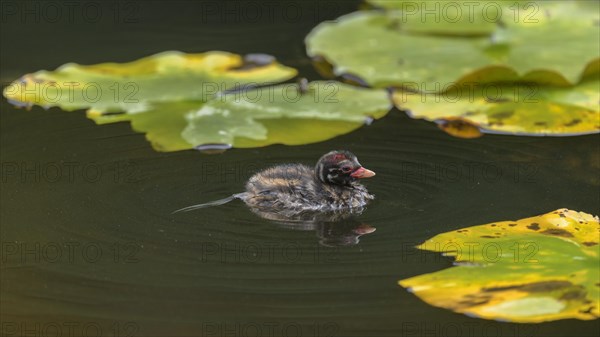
[
  {"x": 536, "y": 269},
  {"x": 135, "y": 86},
  {"x": 557, "y": 44},
  {"x": 282, "y": 114},
  {"x": 288, "y": 114},
  {"x": 532, "y": 110},
  {"x": 210, "y": 102}
]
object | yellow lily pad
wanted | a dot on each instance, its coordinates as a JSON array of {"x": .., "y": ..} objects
[
  {"x": 531, "y": 270},
  {"x": 135, "y": 86},
  {"x": 211, "y": 101},
  {"x": 511, "y": 109}
]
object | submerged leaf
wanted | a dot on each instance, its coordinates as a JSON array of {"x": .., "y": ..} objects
[
  {"x": 532, "y": 270},
  {"x": 512, "y": 109}
]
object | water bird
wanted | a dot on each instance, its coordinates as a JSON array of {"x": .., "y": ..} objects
[{"x": 332, "y": 186}]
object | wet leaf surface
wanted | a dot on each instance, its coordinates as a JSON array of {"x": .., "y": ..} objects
[
  {"x": 284, "y": 114},
  {"x": 554, "y": 43},
  {"x": 204, "y": 101},
  {"x": 536, "y": 269},
  {"x": 510, "y": 109},
  {"x": 135, "y": 86}
]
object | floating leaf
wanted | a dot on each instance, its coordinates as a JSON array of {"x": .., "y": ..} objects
[
  {"x": 445, "y": 17},
  {"x": 162, "y": 123},
  {"x": 284, "y": 114},
  {"x": 511, "y": 109},
  {"x": 171, "y": 91},
  {"x": 536, "y": 269},
  {"x": 135, "y": 86},
  {"x": 367, "y": 45},
  {"x": 258, "y": 117},
  {"x": 555, "y": 46},
  {"x": 459, "y": 127}
]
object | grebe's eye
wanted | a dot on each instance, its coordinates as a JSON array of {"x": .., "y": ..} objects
[{"x": 346, "y": 169}]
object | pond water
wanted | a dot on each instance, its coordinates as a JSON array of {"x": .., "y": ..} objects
[{"x": 89, "y": 243}]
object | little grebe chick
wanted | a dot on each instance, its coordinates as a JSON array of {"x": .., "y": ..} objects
[
  {"x": 332, "y": 185},
  {"x": 290, "y": 189}
]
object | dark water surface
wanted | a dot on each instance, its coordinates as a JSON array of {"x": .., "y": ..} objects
[{"x": 89, "y": 244}]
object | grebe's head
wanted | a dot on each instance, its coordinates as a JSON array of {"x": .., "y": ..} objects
[{"x": 340, "y": 168}]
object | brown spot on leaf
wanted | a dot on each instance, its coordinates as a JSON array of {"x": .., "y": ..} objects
[
  {"x": 473, "y": 302},
  {"x": 558, "y": 232},
  {"x": 488, "y": 237},
  {"x": 533, "y": 287},
  {"x": 573, "y": 122},
  {"x": 503, "y": 114},
  {"x": 493, "y": 289},
  {"x": 577, "y": 294},
  {"x": 546, "y": 286},
  {"x": 470, "y": 300},
  {"x": 512, "y": 224},
  {"x": 534, "y": 226},
  {"x": 589, "y": 243}
]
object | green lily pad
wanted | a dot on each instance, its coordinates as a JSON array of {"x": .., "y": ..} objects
[
  {"x": 511, "y": 109},
  {"x": 536, "y": 269},
  {"x": 283, "y": 114},
  {"x": 444, "y": 17},
  {"x": 210, "y": 101},
  {"x": 134, "y": 87},
  {"x": 258, "y": 117},
  {"x": 162, "y": 123},
  {"x": 557, "y": 46}
]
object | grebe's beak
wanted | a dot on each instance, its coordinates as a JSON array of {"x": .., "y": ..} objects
[{"x": 362, "y": 173}]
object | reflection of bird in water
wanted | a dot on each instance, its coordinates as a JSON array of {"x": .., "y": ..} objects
[
  {"x": 332, "y": 228},
  {"x": 345, "y": 233},
  {"x": 297, "y": 195}
]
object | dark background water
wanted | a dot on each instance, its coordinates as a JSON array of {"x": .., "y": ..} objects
[{"x": 89, "y": 244}]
